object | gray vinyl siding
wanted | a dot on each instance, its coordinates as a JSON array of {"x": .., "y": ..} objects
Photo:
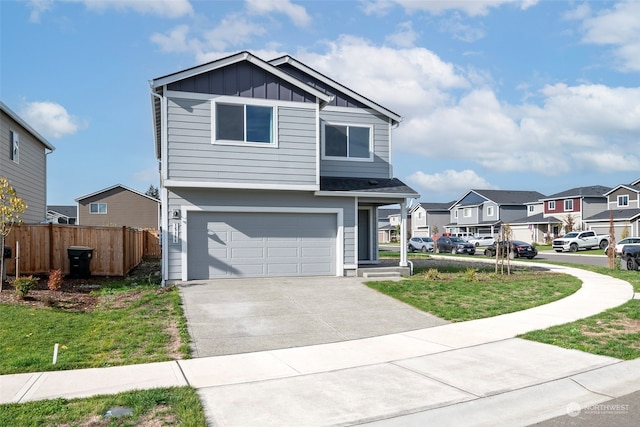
[
  {"x": 194, "y": 157},
  {"x": 28, "y": 177},
  {"x": 623, "y": 191},
  {"x": 258, "y": 199},
  {"x": 592, "y": 206},
  {"x": 380, "y": 166},
  {"x": 512, "y": 213},
  {"x": 483, "y": 214}
]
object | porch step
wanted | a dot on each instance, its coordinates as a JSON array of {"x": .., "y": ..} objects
[{"x": 373, "y": 274}]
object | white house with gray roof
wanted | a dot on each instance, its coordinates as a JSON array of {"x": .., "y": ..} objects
[{"x": 270, "y": 168}]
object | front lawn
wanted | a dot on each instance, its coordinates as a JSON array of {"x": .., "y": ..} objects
[
  {"x": 462, "y": 293},
  {"x": 177, "y": 406},
  {"x": 129, "y": 324}
]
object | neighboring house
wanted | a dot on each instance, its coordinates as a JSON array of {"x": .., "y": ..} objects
[
  {"x": 118, "y": 206},
  {"x": 23, "y": 161},
  {"x": 535, "y": 227},
  {"x": 623, "y": 206},
  {"x": 579, "y": 203},
  {"x": 270, "y": 169},
  {"x": 484, "y": 211},
  {"x": 386, "y": 232},
  {"x": 60, "y": 214},
  {"x": 429, "y": 219}
]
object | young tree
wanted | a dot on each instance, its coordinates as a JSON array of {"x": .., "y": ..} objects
[
  {"x": 569, "y": 224},
  {"x": 611, "y": 250},
  {"x": 11, "y": 206}
]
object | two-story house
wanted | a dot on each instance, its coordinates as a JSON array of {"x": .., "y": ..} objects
[
  {"x": 577, "y": 203},
  {"x": 23, "y": 161},
  {"x": 429, "y": 219},
  {"x": 387, "y": 232},
  {"x": 483, "y": 211},
  {"x": 270, "y": 168},
  {"x": 623, "y": 206}
]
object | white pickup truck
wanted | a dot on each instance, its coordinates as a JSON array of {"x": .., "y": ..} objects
[{"x": 577, "y": 240}]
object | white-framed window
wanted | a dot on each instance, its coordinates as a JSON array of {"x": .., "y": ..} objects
[
  {"x": 343, "y": 141},
  {"x": 489, "y": 210},
  {"x": 98, "y": 208},
  {"x": 455, "y": 214},
  {"x": 466, "y": 213},
  {"x": 237, "y": 122},
  {"x": 419, "y": 214},
  {"x": 531, "y": 208},
  {"x": 15, "y": 147},
  {"x": 623, "y": 201},
  {"x": 552, "y": 205},
  {"x": 568, "y": 205}
]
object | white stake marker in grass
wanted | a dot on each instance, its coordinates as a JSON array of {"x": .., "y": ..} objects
[{"x": 55, "y": 353}]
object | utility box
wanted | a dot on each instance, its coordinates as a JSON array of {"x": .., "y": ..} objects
[{"x": 80, "y": 261}]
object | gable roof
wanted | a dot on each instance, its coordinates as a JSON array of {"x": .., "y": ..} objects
[
  {"x": 70, "y": 211},
  {"x": 590, "y": 191},
  {"x": 433, "y": 206},
  {"x": 504, "y": 197},
  {"x": 25, "y": 125},
  {"x": 396, "y": 118},
  {"x": 618, "y": 215},
  {"x": 113, "y": 187},
  {"x": 632, "y": 187},
  {"x": 538, "y": 218}
]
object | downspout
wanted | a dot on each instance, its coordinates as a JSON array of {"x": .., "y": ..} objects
[
  {"x": 403, "y": 233},
  {"x": 164, "y": 212}
]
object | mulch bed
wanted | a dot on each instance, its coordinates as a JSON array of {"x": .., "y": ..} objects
[{"x": 74, "y": 294}]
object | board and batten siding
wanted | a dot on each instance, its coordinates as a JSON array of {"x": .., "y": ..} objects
[
  {"x": 28, "y": 176},
  {"x": 223, "y": 198},
  {"x": 193, "y": 156},
  {"x": 379, "y": 167}
]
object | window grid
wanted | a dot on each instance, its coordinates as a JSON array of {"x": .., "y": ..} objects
[{"x": 623, "y": 201}]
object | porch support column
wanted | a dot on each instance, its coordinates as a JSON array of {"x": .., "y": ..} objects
[{"x": 403, "y": 233}]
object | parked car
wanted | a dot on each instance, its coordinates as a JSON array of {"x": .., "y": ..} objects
[
  {"x": 422, "y": 244},
  {"x": 631, "y": 254},
  {"x": 455, "y": 245},
  {"x": 482, "y": 240},
  {"x": 621, "y": 243},
  {"x": 518, "y": 249}
]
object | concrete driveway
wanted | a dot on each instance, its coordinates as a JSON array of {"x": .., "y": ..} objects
[{"x": 234, "y": 316}]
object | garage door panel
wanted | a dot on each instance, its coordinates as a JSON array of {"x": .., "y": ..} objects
[{"x": 260, "y": 244}]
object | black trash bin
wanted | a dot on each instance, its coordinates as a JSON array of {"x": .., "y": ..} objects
[
  {"x": 6, "y": 253},
  {"x": 79, "y": 261}
]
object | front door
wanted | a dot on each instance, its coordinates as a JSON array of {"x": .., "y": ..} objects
[{"x": 364, "y": 235}]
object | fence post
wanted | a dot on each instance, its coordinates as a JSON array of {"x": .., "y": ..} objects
[{"x": 51, "y": 246}]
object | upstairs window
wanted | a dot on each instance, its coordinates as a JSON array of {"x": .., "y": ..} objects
[
  {"x": 15, "y": 147},
  {"x": 98, "y": 208},
  {"x": 466, "y": 212},
  {"x": 552, "y": 205},
  {"x": 243, "y": 123},
  {"x": 623, "y": 201},
  {"x": 531, "y": 209},
  {"x": 347, "y": 141},
  {"x": 568, "y": 205},
  {"x": 489, "y": 210}
]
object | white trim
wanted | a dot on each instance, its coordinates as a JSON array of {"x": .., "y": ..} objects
[
  {"x": 339, "y": 212},
  {"x": 365, "y": 194},
  {"x": 348, "y": 125},
  {"x": 173, "y": 183},
  {"x": 174, "y": 94},
  {"x": 244, "y": 102},
  {"x": 116, "y": 186},
  {"x": 239, "y": 57}
]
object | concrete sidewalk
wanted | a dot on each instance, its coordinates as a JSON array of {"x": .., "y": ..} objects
[{"x": 468, "y": 373}]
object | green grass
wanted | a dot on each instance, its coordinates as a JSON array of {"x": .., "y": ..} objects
[
  {"x": 129, "y": 326},
  {"x": 614, "y": 333},
  {"x": 177, "y": 406},
  {"x": 458, "y": 294}
]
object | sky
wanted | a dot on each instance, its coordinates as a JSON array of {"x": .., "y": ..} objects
[{"x": 496, "y": 94}]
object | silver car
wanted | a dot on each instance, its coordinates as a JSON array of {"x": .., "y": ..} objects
[{"x": 422, "y": 244}]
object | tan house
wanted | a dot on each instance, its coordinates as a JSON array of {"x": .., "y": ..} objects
[
  {"x": 23, "y": 161},
  {"x": 118, "y": 206}
]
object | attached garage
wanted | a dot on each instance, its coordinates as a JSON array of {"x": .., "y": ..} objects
[{"x": 259, "y": 244}]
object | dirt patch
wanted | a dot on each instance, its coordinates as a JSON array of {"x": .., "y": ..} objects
[{"x": 74, "y": 293}]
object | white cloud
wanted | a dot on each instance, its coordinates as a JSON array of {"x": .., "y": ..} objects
[
  {"x": 449, "y": 181},
  {"x": 233, "y": 30},
  {"x": 469, "y": 7},
  {"x": 50, "y": 119},
  {"x": 296, "y": 13},
  {"x": 38, "y": 7},
  {"x": 618, "y": 27},
  {"x": 176, "y": 41},
  {"x": 377, "y": 7},
  {"x": 166, "y": 8},
  {"x": 405, "y": 36},
  {"x": 149, "y": 175}
]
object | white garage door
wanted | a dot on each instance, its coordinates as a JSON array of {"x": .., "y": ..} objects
[{"x": 241, "y": 244}]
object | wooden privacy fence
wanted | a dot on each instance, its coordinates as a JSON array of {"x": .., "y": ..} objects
[{"x": 43, "y": 247}]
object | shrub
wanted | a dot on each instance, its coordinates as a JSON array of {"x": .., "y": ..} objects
[
  {"x": 55, "y": 280},
  {"x": 471, "y": 275},
  {"x": 24, "y": 284},
  {"x": 433, "y": 274}
]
